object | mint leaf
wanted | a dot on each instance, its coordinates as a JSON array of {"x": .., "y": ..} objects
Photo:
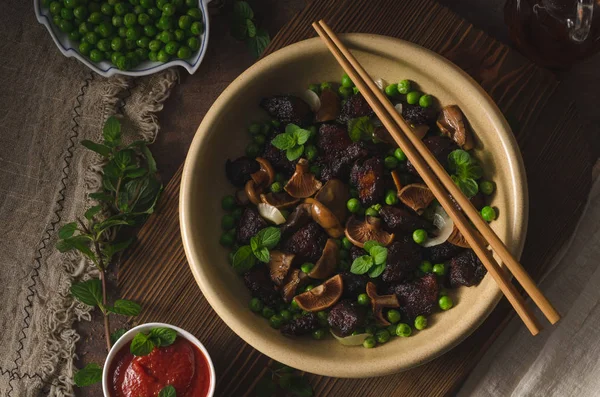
[
  {"x": 163, "y": 336},
  {"x": 167, "y": 391},
  {"x": 250, "y": 28},
  {"x": 360, "y": 128},
  {"x": 243, "y": 10},
  {"x": 123, "y": 159},
  {"x": 90, "y": 374},
  {"x": 100, "y": 196},
  {"x": 259, "y": 43},
  {"x": 141, "y": 345},
  {"x": 67, "y": 230},
  {"x": 269, "y": 237},
  {"x": 254, "y": 243},
  {"x": 294, "y": 153},
  {"x": 112, "y": 131},
  {"x": 88, "y": 292},
  {"x": 376, "y": 270},
  {"x": 125, "y": 308},
  {"x": 457, "y": 158},
  {"x": 244, "y": 259},
  {"x": 149, "y": 159},
  {"x": 284, "y": 141},
  {"x": 362, "y": 264},
  {"x": 102, "y": 150},
  {"x": 370, "y": 244},
  {"x": 262, "y": 254},
  {"x": 468, "y": 186},
  {"x": 116, "y": 335},
  {"x": 379, "y": 255},
  {"x": 301, "y": 136},
  {"x": 473, "y": 171},
  {"x": 89, "y": 214}
]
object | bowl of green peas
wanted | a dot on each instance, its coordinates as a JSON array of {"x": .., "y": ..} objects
[{"x": 128, "y": 37}]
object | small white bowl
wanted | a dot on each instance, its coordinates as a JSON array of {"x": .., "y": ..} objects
[
  {"x": 129, "y": 335},
  {"x": 107, "y": 69}
]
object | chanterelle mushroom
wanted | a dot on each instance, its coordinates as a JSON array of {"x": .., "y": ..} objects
[
  {"x": 327, "y": 263},
  {"x": 293, "y": 281},
  {"x": 379, "y": 302},
  {"x": 334, "y": 194},
  {"x": 416, "y": 196},
  {"x": 360, "y": 231},
  {"x": 279, "y": 200},
  {"x": 279, "y": 266},
  {"x": 330, "y": 106},
  {"x": 259, "y": 181},
  {"x": 303, "y": 183},
  {"x": 322, "y": 296},
  {"x": 325, "y": 218},
  {"x": 457, "y": 238},
  {"x": 452, "y": 123}
]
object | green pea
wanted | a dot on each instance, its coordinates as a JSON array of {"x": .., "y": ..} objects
[
  {"x": 267, "y": 312},
  {"x": 123, "y": 63},
  {"x": 255, "y": 305},
  {"x": 154, "y": 13},
  {"x": 392, "y": 329},
  {"x": 313, "y": 131},
  {"x": 426, "y": 267},
  {"x": 353, "y": 205},
  {"x": 307, "y": 267},
  {"x": 179, "y": 35},
  {"x": 57, "y": 20},
  {"x": 115, "y": 56},
  {"x": 404, "y": 87},
  {"x": 185, "y": 22},
  {"x": 275, "y": 186},
  {"x": 363, "y": 299},
  {"x": 344, "y": 254},
  {"x": 286, "y": 315},
  {"x": 310, "y": 152},
  {"x": 55, "y": 8},
  {"x": 168, "y": 9},
  {"x": 347, "y": 81},
  {"x": 275, "y": 123},
  {"x": 103, "y": 45},
  {"x": 106, "y": 9},
  {"x": 122, "y": 32},
  {"x": 369, "y": 342},
  {"x": 85, "y": 47},
  {"x": 413, "y": 97},
  {"x": 71, "y": 3},
  {"x": 193, "y": 43},
  {"x": 134, "y": 2},
  {"x": 294, "y": 306},
  {"x": 130, "y": 19},
  {"x": 347, "y": 244},
  {"x": 344, "y": 265},
  {"x": 155, "y": 45},
  {"x": 391, "y": 90},
  {"x": 276, "y": 321},
  {"x": 390, "y": 162},
  {"x": 165, "y": 23},
  {"x": 96, "y": 55},
  {"x": 345, "y": 92},
  {"x": 166, "y": 37},
  {"x": 315, "y": 170},
  {"x": 133, "y": 33},
  {"x": 130, "y": 44},
  {"x": 445, "y": 302},
  {"x": 161, "y": 3},
  {"x": 85, "y": 27},
  {"x": 399, "y": 155},
  {"x": 191, "y": 3},
  {"x": 322, "y": 317},
  {"x": 309, "y": 287},
  {"x": 96, "y": 17},
  {"x": 74, "y": 35},
  {"x": 163, "y": 56},
  {"x": 91, "y": 37},
  {"x": 318, "y": 334},
  {"x": 94, "y": 7},
  {"x": 391, "y": 197},
  {"x": 258, "y": 138},
  {"x": 147, "y": 3},
  {"x": 195, "y": 13},
  {"x": 144, "y": 19},
  {"x": 419, "y": 236},
  {"x": 439, "y": 269},
  {"x": 488, "y": 213},
  {"x": 325, "y": 86},
  {"x": 371, "y": 212},
  {"x": 227, "y": 222},
  {"x": 252, "y": 150},
  {"x": 143, "y": 42},
  {"x": 266, "y": 128},
  {"x": 315, "y": 88},
  {"x": 117, "y": 21},
  {"x": 237, "y": 213},
  {"x": 382, "y": 336},
  {"x": 353, "y": 193},
  {"x": 105, "y": 30},
  {"x": 371, "y": 329},
  {"x": 66, "y": 26},
  {"x": 421, "y": 322},
  {"x": 254, "y": 128},
  {"x": 120, "y": 9},
  {"x": 228, "y": 203},
  {"x": 197, "y": 28},
  {"x": 487, "y": 187},
  {"x": 393, "y": 316},
  {"x": 150, "y": 31},
  {"x": 67, "y": 13},
  {"x": 80, "y": 12},
  {"x": 425, "y": 101},
  {"x": 403, "y": 330}
]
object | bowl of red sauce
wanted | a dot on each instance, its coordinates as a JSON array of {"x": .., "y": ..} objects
[{"x": 179, "y": 361}]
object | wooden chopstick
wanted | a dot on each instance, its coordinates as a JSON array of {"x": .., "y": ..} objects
[{"x": 378, "y": 102}]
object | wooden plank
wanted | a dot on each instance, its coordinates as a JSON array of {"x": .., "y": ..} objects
[{"x": 558, "y": 166}]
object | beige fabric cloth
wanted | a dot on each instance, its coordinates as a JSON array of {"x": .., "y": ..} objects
[{"x": 48, "y": 103}]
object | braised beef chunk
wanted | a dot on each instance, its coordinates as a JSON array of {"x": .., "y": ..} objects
[
  {"x": 367, "y": 177},
  {"x": 355, "y": 106},
  {"x": 401, "y": 220},
  {"x": 442, "y": 252},
  {"x": 345, "y": 317},
  {"x": 250, "y": 223},
  {"x": 355, "y": 252},
  {"x": 238, "y": 171},
  {"x": 417, "y": 115},
  {"x": 418, "y": 297},
  {"x": 307, "y": 243},
  {"x": 337, "y": 151},
  {"x": 465, "y": 269},
  {"x": 301, "y": 326},
  {"x": 279, "y": 161},
  {"x": 298, "y": 218},
  {"x": 440, "y": 147},
  {"x": 287, "y": 109},
  {"x": 404, "y": 257},
  {"x": 354, "y": 284},
  {"x": 260, "y": 285}
]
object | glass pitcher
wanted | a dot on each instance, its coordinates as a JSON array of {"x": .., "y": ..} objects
[{"x": 554, "y": 33}]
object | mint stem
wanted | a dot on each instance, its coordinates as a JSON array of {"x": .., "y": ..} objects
[{"x": 104, "y": 313}]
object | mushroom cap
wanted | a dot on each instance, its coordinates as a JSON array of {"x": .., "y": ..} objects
[
  {"x": 298, "y": 218},
  {"x": 457, "y": 238},
  {"x": 325, "y": 218},
  {"x": 330, "y": 106},
  {"x": 279, "y": 266},
  {"x": 295, "y": 279},
  {"x": 252, "y": 193},
  {"x": 303, "y": 183},
  {"x": 453, "y": 123},
  {"x": 416, "y": 196},
  {"x": 420, "y": 130},
  {"x": 397, "y": 182},
  {"x": 360, "y": 231},
  {"x": 379, "y": 302},
  {"x": 328, "y": 261},
  {"x": 322, "y": 296},
  {"x": 334, "y": 194},
  {"x": 279, "y": 200},
  {"x": 265, "y": 175}
]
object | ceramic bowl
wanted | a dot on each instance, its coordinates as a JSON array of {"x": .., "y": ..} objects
[
  {"x": 129, "y": 335},
  {"x": 69, "y": 48},
  {"x": 223, "y": 134}
]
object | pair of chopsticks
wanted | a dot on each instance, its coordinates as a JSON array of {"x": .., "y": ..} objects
[{"x": 437, "y": 179}]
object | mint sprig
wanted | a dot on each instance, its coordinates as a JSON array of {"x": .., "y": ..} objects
[
  {"x": 143, "y": 343},
  {"x": 464, "y": 171},
  {"x": 167, "y": 391},
  {"x": 90, "y": 374},
  {"x": 374, "y": 263},
  {"x": 360, "y": 128},
  {"x": 292, "y": 141},
  {"x": 245, "y": 257},
  {"x": 244, "y": 28}
]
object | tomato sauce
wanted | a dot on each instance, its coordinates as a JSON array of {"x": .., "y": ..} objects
[{"x": 181, "y": 365}]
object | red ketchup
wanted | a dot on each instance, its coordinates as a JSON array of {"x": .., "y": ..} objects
[{"x": 181, "y": 365}]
